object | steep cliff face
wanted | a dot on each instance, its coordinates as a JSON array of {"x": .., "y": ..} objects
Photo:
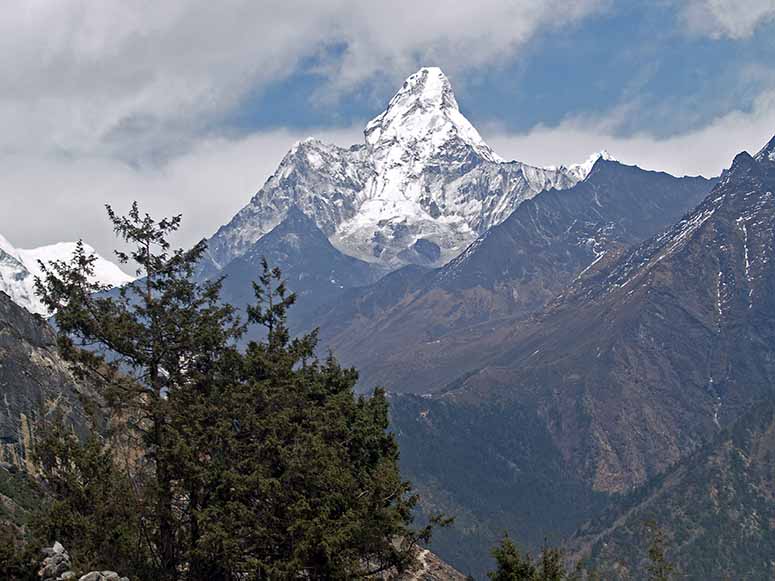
[{"x": 34, "y": 381}]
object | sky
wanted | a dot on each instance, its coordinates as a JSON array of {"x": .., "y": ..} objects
[{"x": 187, "y": 106}]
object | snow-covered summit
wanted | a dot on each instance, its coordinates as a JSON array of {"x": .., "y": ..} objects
[
  {"x": 423, "y": 176},
  {"x": 582, "y": 170},
  {"x": 19, "y": 267},
  {"x": 7, "y": 247},
  {"x": 420, "y": 120}
]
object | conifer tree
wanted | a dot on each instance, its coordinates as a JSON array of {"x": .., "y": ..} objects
[
  {"x": 16, "y": 561},
  {"x": 313, "y": 473},
  {"x": 511, "y": 565},
  {"x": 242, "y": 463},
  {"x": 659, "y": 569},
  {"x": 551, "y": 566},
  {"x": 82, "y": 511},
  {"x": 161, "y": 332}
]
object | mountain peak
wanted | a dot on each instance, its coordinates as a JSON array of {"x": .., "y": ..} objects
[
  {"x": 422, "y": 173},
  {"x": 430, "y": 86},
  {"x": 423, "y": 116},
  {"x": 19, "y": 267},
  {"x": 744, "y": 164},
  {"x": 582, "y": 170},
  {"x": 7, "y": 248}
]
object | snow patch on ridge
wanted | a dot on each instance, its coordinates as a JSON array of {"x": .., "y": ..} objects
[
  {"x": 19, "y": 267},
  {"x": 581, "y": 171},
  {"x": 105, "y": 271}
]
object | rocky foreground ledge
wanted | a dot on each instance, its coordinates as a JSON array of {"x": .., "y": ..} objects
[{"x": 56, "y": 567}]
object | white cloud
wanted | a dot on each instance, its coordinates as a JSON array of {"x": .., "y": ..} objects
[
  {"x": 50, "y": 199},
  {"x": 85, "y": 86},
  {"x": 704, "y": 151},
  {"x": 88, "y": 89},
  {"x": 728, "y": 18},
  {"x": 127, "y": 78}
]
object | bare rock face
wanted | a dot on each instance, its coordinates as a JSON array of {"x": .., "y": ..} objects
[
  {"x": 430, "y": 568},
  {"x": 34, "y": 380}
]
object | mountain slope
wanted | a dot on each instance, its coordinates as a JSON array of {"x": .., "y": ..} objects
[
  {"x": 313, "y": 269},
  {"x": 433, "y": 328},
  {"x": 19, "y": 267},
  {"x": 717, "y": 509},
  {"x": 419, "y": 190},
  {"x": 680, "y": 329},
  {"x": 640, "y": 362},
  {"x": 15, "y": 279}
]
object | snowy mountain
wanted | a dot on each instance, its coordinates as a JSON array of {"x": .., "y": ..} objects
[
  {"x": 416, "y": 329},
  {"x": 422, "y": 186},
  {"x": 19, "y": 267},
  {"x": 767, "y": 153}
]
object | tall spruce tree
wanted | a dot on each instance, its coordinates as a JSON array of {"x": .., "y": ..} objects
[
  {"x": 245, "y": 464},
  {"x": 161, "y": 333},
  {"x": 314, "y": 473}
]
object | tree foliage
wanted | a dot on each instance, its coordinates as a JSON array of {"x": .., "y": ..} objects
[
  {"x": 92, "y": 508},
  {"x": 515, "y": 566},
  {"x": 659, "y": 568},
  {"x": 512, "y": 565},
  {"x": 250, "y": 463},
  {"x": 17, "y": 562}
]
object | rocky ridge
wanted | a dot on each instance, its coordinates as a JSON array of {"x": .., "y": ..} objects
[
  {"x": 639, "y": 363},
  {"x": 417, "y": 329},
  {"x": 34, "y": 380}
]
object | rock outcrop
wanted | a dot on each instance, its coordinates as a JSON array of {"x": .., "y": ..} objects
[
  {"x": 34, "y": 380},
  {"x": 56, "y": 566}
]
